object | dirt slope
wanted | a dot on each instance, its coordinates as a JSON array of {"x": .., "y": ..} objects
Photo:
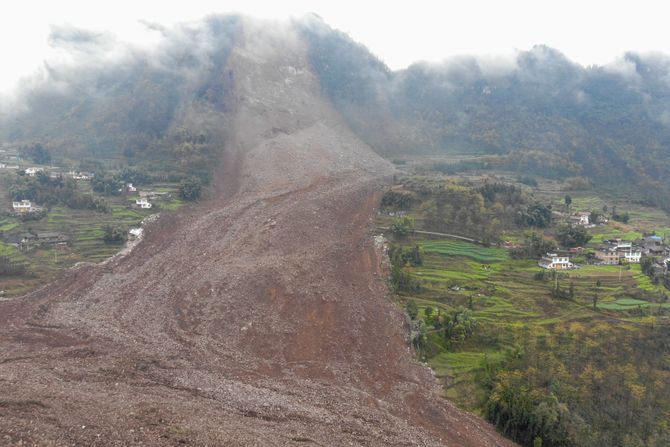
[{"x": 257, "y": 318}]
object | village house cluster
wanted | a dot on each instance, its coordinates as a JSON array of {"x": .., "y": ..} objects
[
  {"x": 29, "y": 240},
  {"x": 610, "y": 252},
  {"x": 580, "y": 218},
  {"x": 25, "y": 206},
  {"x": 615, "y": 252}
]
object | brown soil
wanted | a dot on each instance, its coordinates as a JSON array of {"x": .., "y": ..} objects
[{"x": 259, "y": 317}]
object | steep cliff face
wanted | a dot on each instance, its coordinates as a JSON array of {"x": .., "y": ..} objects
[{"x": 260, "y": 317}]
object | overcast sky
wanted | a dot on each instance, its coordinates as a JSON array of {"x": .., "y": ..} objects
[{"x": 399, "y": 32}]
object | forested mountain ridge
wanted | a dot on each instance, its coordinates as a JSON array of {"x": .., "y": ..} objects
[
  {"x": 295, "y": 196},
  {"x": 116, "y": 101},
  {"x": 545, "y": 112},
  {"x": 538, "y": 110}
]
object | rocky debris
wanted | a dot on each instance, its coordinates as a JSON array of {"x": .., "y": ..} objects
[{"x": 260, "y": 317}]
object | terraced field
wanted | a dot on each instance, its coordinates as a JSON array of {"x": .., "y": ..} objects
[
  {"x": 448, "y": 247},
  {"x": 84, "y": 228},
  {"x": 506, "y": 297}
]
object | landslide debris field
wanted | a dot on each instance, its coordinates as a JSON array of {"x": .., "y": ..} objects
[{"x": 259, "y": 317}]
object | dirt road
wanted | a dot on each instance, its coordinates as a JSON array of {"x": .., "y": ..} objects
[{"x": 258, "y": 317}]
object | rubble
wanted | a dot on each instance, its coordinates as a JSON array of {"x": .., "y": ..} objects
[{"x": 215, "y": 332}]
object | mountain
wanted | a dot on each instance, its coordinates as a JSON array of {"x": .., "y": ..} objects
[
  {"x": 162, "y": 105},
  {"x": 608, "y": 123},
  {"x": 258, "y": 317},
  {"x": 536, "y": 110},
  {"x": 261, "y": 316}
]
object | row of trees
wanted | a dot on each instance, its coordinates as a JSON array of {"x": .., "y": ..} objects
[
  {"x": 36, "y": 153},
  {"x": 114, "y": 184},
  {"x": 582, "y": 385},
  {"x": 9, "y": 267},
  {"x": 534, "y": 246},
  {"x": 657, "y": 274},
  {"x": 478, "y": 212},
  {"x": 190, "y": 189},
  {"x": 48, "y": 191}
]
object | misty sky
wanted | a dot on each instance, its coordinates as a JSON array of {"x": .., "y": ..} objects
[{"x": 400, "y": 32}]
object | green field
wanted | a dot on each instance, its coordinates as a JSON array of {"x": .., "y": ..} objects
[
  {"x": 84, "y": 229},
  {"x": 495, "y": 328},
  {"x": 628, "y": 304},
  {"x": 505, "y": 298},
  {"x": 477, "y": 253}
]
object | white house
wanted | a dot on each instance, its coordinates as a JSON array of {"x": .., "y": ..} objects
[
  {"x": 632, "y": 257},
  {"x": 581, "y": 218},
  {"x": 131, "y": 188},
  {"x": 80, "y": 175},
  {"x": 33, "y": 171},
  {"x": 555, "y": 262},
  {"x": 143, "y": 203},
  {"x": 24, "y": 206}
]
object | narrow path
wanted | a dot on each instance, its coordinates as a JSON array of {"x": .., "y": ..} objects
[{"x": 433, "y": 233}]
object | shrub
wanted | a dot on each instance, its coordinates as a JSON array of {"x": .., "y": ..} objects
[
  {"x": 114, "y": 235},
  {"x": 190, "y": 189},
  {"x": 570, "y": 236},
  {"x": 11, "y": 268},
  {"x": 402, "y": 227}
]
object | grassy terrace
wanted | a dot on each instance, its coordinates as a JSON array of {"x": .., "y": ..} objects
[
  {"x": 501, "y": 323},
  {"x": 505, "y": 298},
  {"x": 84, "y": 228}
]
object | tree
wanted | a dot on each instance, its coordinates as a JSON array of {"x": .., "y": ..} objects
[
  {"x": 190, "y": 189},
  {"x": 418, "y": 333},
  {"x": 113, "y": 235},
  {"x": 37, "y": 153},
  {"x": 459, "y": 324},
  {"x": 568, "y": 202},
  {"x": 402, "y": 227},
  {"x": 535, "y": 215},
  {"x": 534, "y": 245},
  {"x": 133, "y": 175},
  {"x": 402, "y": 281},
  {"x": 414, "y": 256},
  {"x": 397, "y": 200},
  {"x": 647, "y": 265},
  {"x": 526, "y": 412},
  {"x": 10, "y": 268},
  {"x": 620, "y": 217},
  {"x": 594, "y": 217},
  {"x": 570, "y": 236},
  {"x": 412, "y": 309},
  {"x": 106, "y": 184}
]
